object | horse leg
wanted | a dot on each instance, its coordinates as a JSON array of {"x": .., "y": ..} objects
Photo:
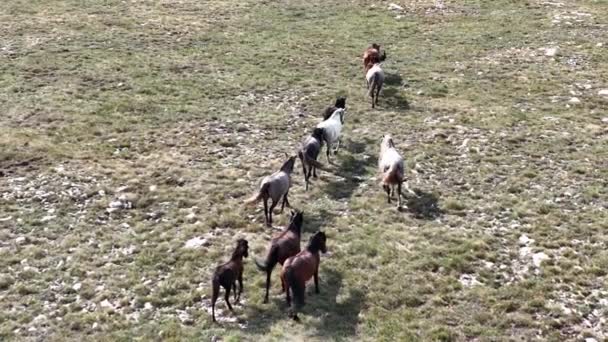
[
  {"x": 399, "y": 194},
  {"x": 285, "y": 202},
  {"x": 378, "y": 93},
  {"x": 388, "y": 192},
  {"x": 227, "y": 297},
  {"x": 314, "y": 172},
  {"x": 266, "y": 211},
  {"x": 236, "y": 300},
  {"x": 338, "y": 145},
  {"x": 316, "y": 276},
  {"x": 268, "y": 273},
  {"x": 327, "y": 152},
  {"x": 216, "y": 293},
  {"x": 272, "y": 206},
  {"x": 240, "y": 287}
]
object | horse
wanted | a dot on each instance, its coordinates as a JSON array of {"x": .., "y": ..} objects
[
  {"x": 275, "y": 187},
  {"x": 391, "y": 167},
  {"x": 375, "y": 80},
  {"x": 227, "y": 274},
  {"x": 340, "y": 103},
  {"x": 298, "y": 269},
  {"x": 282, "y": 246},
  {"x": 308, "y": 154},
  {"x": 332, "y": 127},
  {"x": 372, "y": 56}
]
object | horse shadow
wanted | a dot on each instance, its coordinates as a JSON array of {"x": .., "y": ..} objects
[
  {"x": 352, "y": 170},
  {"x": 424, "y": 205},
  {"x": 391, "y": 79},
  {"x": 338, "y": 317},
  {"x": 394, "y": 99}
]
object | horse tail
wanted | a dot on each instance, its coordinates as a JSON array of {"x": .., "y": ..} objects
[
  {"x": 270, "y": 262},
  {"x": 394, "y": 174},
  {"x": 316, "y": 164},
  {"x": 255, "y": 198},
  {"x": 383, "y": 57},
  {"x": 297, "y": 288}
]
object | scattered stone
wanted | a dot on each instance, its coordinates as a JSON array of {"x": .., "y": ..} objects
[
  {"x": 590, "y": 339},
  {"x": 196, "y": 243},
  {"x": 6, "y": 219},
  {"x": 605, "y": 120},
  {"x": 574, "y": 100},
  {"x": 21, "y": 240},
  {"x": 47, "y": 218},
  {"x": 152, "y": 188},
  {"x": 603, "y": 92},
  {"x": 551, "y": 52},
  {"x": 538, "y": 258},
  {"x": 599, "y": 44},
  {"x": 148, "y": 306},
  {"x": 191, "y": 217},
  {"x": 185, "y": 318},
  {"x": 468, "y": 280},
  {"x": 525, "y": 240},
  {"x": 77, "y": 286},
  {"x": 394, "y": 7}
]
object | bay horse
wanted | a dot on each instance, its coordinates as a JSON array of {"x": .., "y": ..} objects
[
  {"x": 298, "y": 269},
  {"x": 372, "y": 56},
  {"x": 308, "y": 154},
  {"x": 274, "y": 187},
  {"x": 226, "y": 275},
  {"x": 286, "y": 244},
  {"x": 391, "y": 167}
]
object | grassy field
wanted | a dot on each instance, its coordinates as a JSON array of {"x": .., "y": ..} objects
[{"x": 131, "y": 132}]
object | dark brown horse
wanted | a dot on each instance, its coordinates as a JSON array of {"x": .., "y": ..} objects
[
  {"x": 340, "y": 103},
  {"x": 226, "y": 275},
  {"x": 298, "y": 269},
  {"x": 286, "y": 244}
]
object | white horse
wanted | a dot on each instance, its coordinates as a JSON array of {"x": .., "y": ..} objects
[
  {"x": 375, "y": 80},
  {"x": 332, "y": 127},
  {"x": 391, "y": 167}
]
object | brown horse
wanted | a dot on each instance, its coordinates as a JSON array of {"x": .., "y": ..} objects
[
  {"x": 298, "y": 269},
  {"x": 275, "y": 187},
  {"x": 372, "y": 56},
  {"x": 227, "y": 275},
  {"x": 282, "y": 246}
]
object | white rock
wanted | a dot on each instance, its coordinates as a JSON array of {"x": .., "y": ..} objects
[
  {"x": 106, "y": 304},
  {"x": 605, "y": 120},
  {"x": 394, "y": 7},
  {"x": 603, "y": 92},
  {"x": 524, "y": 240},
  {"x": 195, "y": 243},
  {"x": 122, "y": 188},
  {"x": 468, "y": 280},
  {"x": 116, "y": 204},
  {"x": 590, "y": 339},
  {"x": 152, "y": 188},
  {"x": 191, "y": 217},
  {"x": 47, "y": 218},
  {"x": 6, "y": 219},
  {"x": 599, "y": 44},
  {"x": 574, "y": 100},
  {"x": 538, "y": 258},
  {"x": 21, "y": 240},
  {"x": 148, "y": 306},
  {"x": 77, "y": 286},
  {"x": 550, "y": 52}
]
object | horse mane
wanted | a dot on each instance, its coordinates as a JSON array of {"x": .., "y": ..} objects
[
  {"x": 285, "y": 167},
  {"x": 292, "y": 225},
  {"x": 238, "y": 251},
  {"x": 313, "y": 243}
]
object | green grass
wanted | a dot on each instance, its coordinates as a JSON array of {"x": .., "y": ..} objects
[{"x": 180, "y": 107}]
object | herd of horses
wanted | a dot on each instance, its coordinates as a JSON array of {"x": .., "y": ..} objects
[{"x": 298, "y": 266}]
